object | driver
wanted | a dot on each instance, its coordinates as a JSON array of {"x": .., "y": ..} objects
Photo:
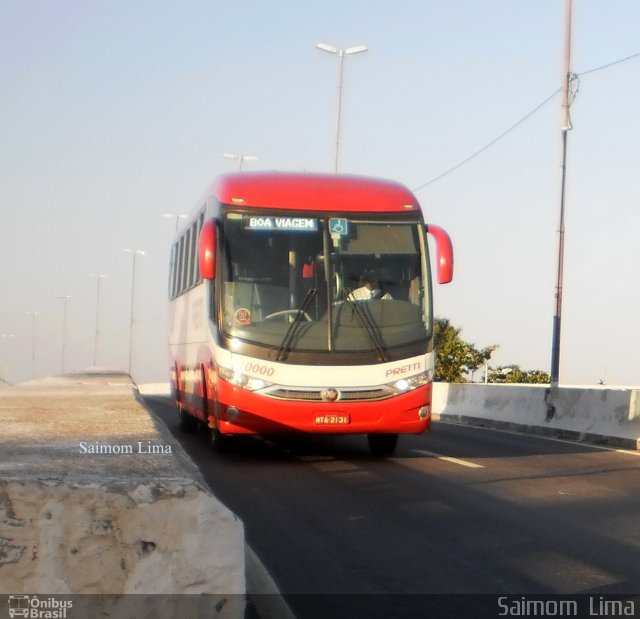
[{"x": 369, "y": 289}]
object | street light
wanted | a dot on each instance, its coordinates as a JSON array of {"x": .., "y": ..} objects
[
  {"x": 65, "y": 298},
  {"x": 98, "y": 277},
  {"x": 241, "y": 158},
  {"x": 177, "y": 216},
  {"x": 33, "y": 342},
  {"x": 341, "y": 53},
  {"x": 134, "y": 253},
  {"x": 5, "y": 338}
]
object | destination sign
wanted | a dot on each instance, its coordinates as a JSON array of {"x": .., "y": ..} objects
[{"x": 297, "y": 224}]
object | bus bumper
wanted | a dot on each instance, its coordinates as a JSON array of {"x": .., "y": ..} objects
[{"x": 244, "y": 412}]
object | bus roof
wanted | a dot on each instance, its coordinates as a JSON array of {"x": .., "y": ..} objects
[{"x": 310, "y": 191}]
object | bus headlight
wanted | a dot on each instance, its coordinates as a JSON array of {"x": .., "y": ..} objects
[
  {"x": 254, "y": 384},
  {"x": 241, "y": 380},
  {"x": 412, "y": 382}
]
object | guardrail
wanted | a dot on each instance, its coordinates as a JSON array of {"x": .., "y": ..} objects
[{"x": 608, "y": 415}]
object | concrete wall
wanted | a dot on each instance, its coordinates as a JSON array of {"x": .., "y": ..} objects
[
  {"x": 155, "y": 389},
  {"x": 96, "y": 497},
  {"x": 602, "y": 414}
]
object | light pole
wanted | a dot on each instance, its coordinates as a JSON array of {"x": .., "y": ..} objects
[
  {"x": 178, "y": 217},
  {"x": 134, "y": 253},
  {"x": 4, "y": 380},
  {"x": 565, "y": 127},
  {"x": 241, "y": 158},
  {"x": 33, "y": 342},
  {"x": 341, "y": 53},
  {"x": 65, "y": 298},
  {"x": 98, "y": 276}
]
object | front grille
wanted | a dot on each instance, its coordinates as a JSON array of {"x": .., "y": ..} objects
[{"x": 348, "y": 395}]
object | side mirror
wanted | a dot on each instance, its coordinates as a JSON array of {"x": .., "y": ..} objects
[
  {"x": 444, "y": 253},
  {"x": 207, "y": 250}
]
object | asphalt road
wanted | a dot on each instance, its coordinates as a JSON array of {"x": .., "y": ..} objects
[{"x": 461, "y": 510}]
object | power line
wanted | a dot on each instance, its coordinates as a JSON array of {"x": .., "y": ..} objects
[
  {"x": 490, "y": 144},
  {"x": 519, "y": 122},
  {"x": 610, "y": 64}
]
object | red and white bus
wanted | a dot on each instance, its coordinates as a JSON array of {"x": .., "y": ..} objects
[{"x": 303, "y": 303}]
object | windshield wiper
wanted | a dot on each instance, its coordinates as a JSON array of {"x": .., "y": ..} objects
[
  {"x": 287, "y": 340},
  {"x": 371, "y": 328}
]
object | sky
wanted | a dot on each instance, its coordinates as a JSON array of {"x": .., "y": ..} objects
[{"x": 115, "y": 113}]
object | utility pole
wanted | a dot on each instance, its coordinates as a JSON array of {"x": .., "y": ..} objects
[
  {"x": 177, "y": 217},
  {"x": 565, "y": 127},
  {"x": 241, "y": 158},
  {"x": 134, "y": 253},
  {"x": 65, "y": 298},
  {"x": 340, "y": 53},
  {"x": 98, "y": 277},
  {"x": 4, "y": 379},
  {"x": 33, "y": 342}
]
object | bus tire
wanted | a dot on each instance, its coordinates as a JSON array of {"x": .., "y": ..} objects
[
  {"x": 188, "y": 423},
  {"x": 219, "y": 441},
  {"x": 382, "y": 445}
]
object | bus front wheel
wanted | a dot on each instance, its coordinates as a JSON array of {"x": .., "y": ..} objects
[
  {"x": 382, "y": 444},
  {"x": 219, "y": 441}
]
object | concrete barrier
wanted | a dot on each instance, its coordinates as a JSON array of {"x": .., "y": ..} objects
[
  {"x": 596, "y": 414},
  {"x": 155, "y": 389},
  {"x": 96, "y": 497}
]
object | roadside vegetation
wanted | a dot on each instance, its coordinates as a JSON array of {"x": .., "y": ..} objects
[{"x": 457, "y": 361}]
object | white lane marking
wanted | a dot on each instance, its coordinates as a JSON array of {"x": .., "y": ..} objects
[{"x": 471, "y": 465}]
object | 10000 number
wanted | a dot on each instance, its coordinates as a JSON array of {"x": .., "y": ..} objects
[{"x": 256, "y": 368}]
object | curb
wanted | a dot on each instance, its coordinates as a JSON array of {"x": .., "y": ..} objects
[{"x": 262, "y": 591}]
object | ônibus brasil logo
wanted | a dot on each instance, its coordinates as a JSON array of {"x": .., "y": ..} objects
[{"x": 38, "y": 607}]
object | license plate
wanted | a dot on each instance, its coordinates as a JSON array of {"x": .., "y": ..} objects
[{"x": 334, "y": 419}]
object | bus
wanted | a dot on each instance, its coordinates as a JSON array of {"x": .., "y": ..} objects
[{"x": 302, "y": 303}]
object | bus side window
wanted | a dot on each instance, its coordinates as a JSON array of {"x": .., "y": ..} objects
[{"x": 172, "y": 260}]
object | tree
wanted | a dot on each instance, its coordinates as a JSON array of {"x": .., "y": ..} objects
[
  {"x": 455, "y": 358},
  {"x": 513, "y": 374}
]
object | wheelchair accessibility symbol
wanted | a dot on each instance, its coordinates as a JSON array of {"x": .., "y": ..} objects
[{"x": 338, "y": 226}]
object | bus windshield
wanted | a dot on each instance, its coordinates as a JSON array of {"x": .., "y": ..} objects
[{"x": 309, "y": 283}]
